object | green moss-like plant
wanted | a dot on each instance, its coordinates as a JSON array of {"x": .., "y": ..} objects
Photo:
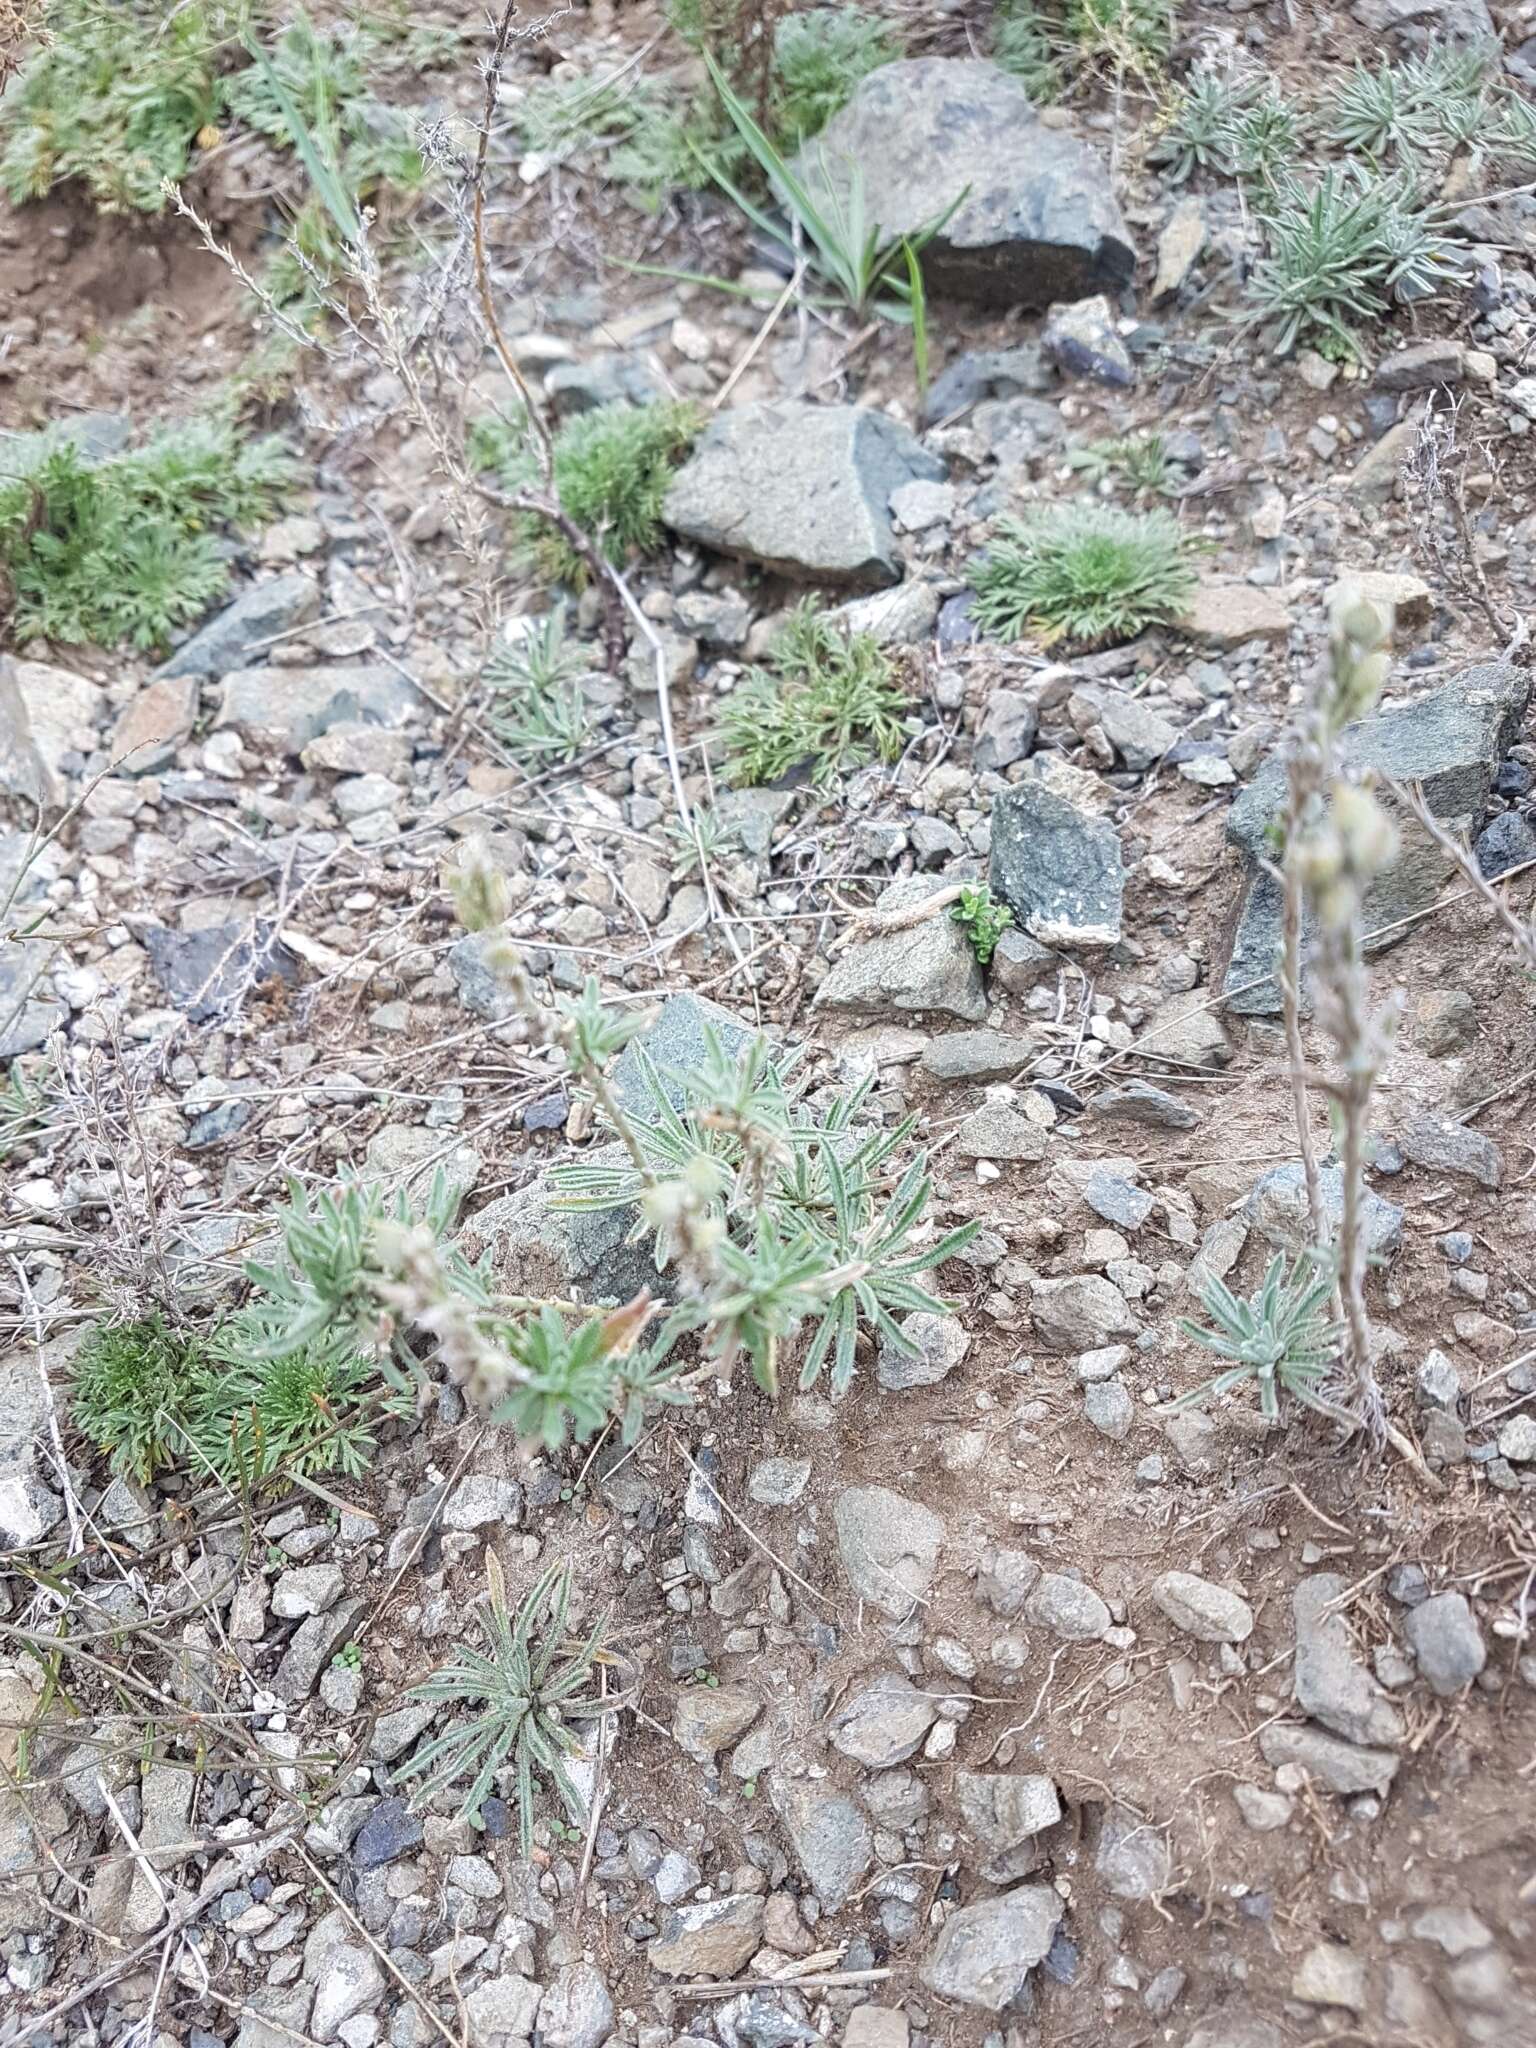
[
  {"x": 132, "y": 1392},
  {"x": 125, "y": 548},
  {"x": 1087, "y": 575},
  {"x": 825, "y": 699}
]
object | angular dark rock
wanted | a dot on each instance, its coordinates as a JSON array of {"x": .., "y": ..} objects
[
  {"x": 1449, "y": 742},
  {"x": 1058, "y": 869},
  {"x": 1038, "y": 222},
  {"x": 803, "y": 489}
]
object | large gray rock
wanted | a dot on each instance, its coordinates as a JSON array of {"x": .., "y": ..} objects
[
  {"x": 985, "y": 1952},
  {"x": 1038, "y": 220},
  {"x": 1344, "y": 1767},
  {"x": 1331, "y": 1684},
  {"x": 675, "y": 1044},
  {"x": 1450, "y": 742},
  {"x": 1209, "y": 1613},
  {"x": 45, "y": 713},
  {"x": 889, "y": 1546},
  {"x": 577, "y": 2009},
  {"x": 253, "y": 620},
  {"x": 1447, "y": 1641},
  {"x": 831, "y": 1837},
  {"x": 1079, "y": 1312},
  {"x": 1277, "y": 1209},
  {"x": 916, "y": 968},
  {"x": 1058, "y": 869},
  {"x": 716, "y": 1938},
  {"x": 286, "y": 708},
  {"x": 884, "y": 1722},
  {"x": 803, "y": 489},
  {"x": 538, "y": 1248}
]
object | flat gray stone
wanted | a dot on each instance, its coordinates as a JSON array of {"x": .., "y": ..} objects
[
  {"x": 978, "y": 1056},
  {"x": 994, "y": 1131},
  {"x": 1331, "y": 1684},
  {"x": 540, "y": 1249},
  {"x": 1080, "y": 1312},
  {"x": 1132, "y": 1856},
  {"x": 1038, "y": 221},
  {"x": 802, "y": 489},
  {"x": 986, "y": 1950},
  {"x": 1058, "y": 869},
  {"x": 576, "y": 2011},
  {"x": 1003, "y": 1809},
  {"x": 926, "y": 968},
  {"x": 940, "y": 1342},
  {"x": 1068, "y": 1608},
  {"x": 1277, "y": 1208},
  {"x": 1441, "y": 1146},
  {"x": 1196, "y": 1607},
  {"x": 242, "y": 628},
  {"x": 830, "y": 1835},
  {"x": 286, "y": 708},
  {"x": 45, "y": 713},
  {"x": 884, "y": 1722},
  {"x": 1344, "y": 1767},
  {"x": 1444, "y": 1636},
  {"x": 674, "y": 1042},
  {"x": 1450, "y": 742},
  {"x": 715, "y": 1938},
  {"x": 889, "y": 1547}
]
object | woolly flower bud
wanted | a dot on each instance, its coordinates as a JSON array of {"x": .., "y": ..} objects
[
  {"x": 1367, "y": 835},
  {"x": 478, "y": 888},
  {"x": 1356, "y": 618}
]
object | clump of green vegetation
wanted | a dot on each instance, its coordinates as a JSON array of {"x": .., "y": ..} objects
[
  {"x": 612, "y": 467},
  {"x": 1283, "y": 1337},
  {"x": 818, "y": 61},
  {"x": 1140, "y": 460},
  {"x": 257, "y": 1415},
  {"x": 1089, "y": 576},
  {"x": 1231, "y": 126},
  {"x": 114, "y": 97},
  {"x": 1049, "y": 47},
  {"x": 825, "y": 699},
  {"x": 524, "y": 1695},
  {"x": 23, "y": 1108},
  {"x": 132, "y": 1393},
  {"x": 123, "y": 549},
  {"x": 537, "y": 708},
  {"x": 984, "y": 919},
  {"x": 1345, "y": 250},
  {"x": 1430, "y": 102}
]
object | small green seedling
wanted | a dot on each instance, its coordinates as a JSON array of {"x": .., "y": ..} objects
[{"x": 983, "y": 918}]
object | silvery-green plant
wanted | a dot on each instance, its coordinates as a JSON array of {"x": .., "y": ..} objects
[
  {"x": 526, "y": 1691},
  {"x": 1283, "y": 1338}
]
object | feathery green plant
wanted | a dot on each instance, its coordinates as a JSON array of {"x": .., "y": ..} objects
[
  {"x": 1283, "y": 1337},
  {"x": 983, "y": 919},
  {"x": 537, "y": 708},
  {"x": 1050, "y": 47},
  {"x": 1091, "y": 576},
  {"x": 804, "y": 1220},
  {"x": 825, "y": 699},
  {"x": 120, "y": 549},
  {"x": 524, "y": 1692},
  {"x": 1140, "y": 460},
  {"x": 114, "y": 98},
  {"x": 818, "y": 60},
  {"x": 1343, "y": 251},
  {"x": 612, "y": 469},
  {"x": 256, "y": 1415},
  {"x": 132, "y": 1387}
]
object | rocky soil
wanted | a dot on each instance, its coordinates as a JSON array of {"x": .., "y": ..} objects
[{"x": 993, "y": 1703}]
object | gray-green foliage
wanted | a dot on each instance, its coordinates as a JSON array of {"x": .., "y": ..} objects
[
  {"x": 524, "y": 1692},
  {"x": 125, "y": 547},
  {"x": 825, "y": 700},
  {"x": 1284, "y": 1337},
  {"x": 537, "y": 708},
  {"x": 811, "y": 1225},
  {"x": 1344, "y": 250},
  {"x": 1051, "y": 45},
  {"x": 1088, "y": 575}
]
